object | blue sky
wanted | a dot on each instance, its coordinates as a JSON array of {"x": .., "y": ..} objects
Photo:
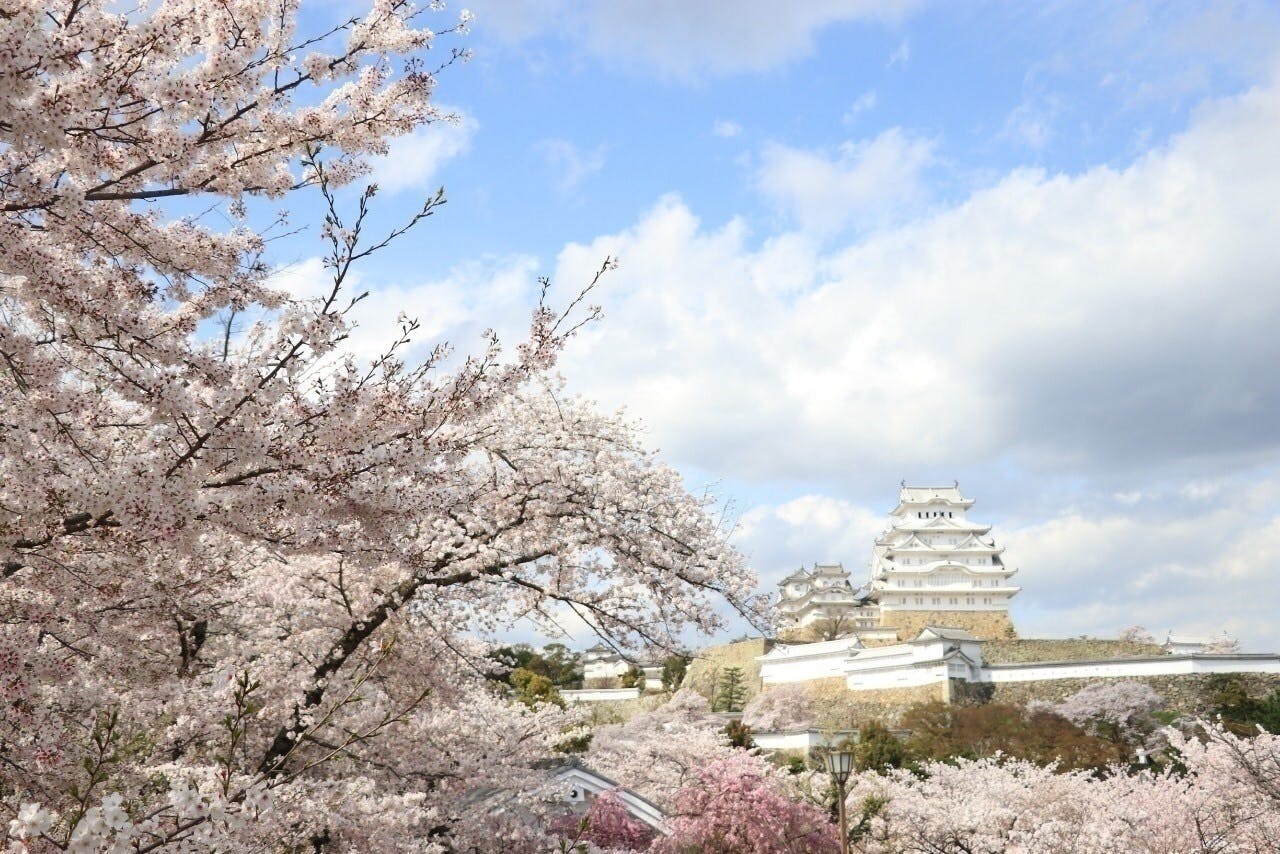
[{"x": 1026, "y": 246}]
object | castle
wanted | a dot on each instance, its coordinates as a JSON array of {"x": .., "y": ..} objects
[{"x": 931, "y": 567}]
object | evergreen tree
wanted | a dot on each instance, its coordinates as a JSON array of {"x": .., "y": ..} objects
[
  {"x": 673, "y": 671},
  {"x": 732, "y": 693}
]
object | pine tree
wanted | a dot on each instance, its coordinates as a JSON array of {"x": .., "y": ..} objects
[{"x": 732, "y": 693}]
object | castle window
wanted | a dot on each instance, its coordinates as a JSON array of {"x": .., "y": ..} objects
[{"x": 937, "y": 601}]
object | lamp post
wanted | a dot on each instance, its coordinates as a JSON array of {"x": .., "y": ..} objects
[{"x": 840, "y": 766}]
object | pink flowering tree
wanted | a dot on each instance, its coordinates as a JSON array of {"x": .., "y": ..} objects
[
  {"x": 1226, "y": 797},
  {"x": 1222, "y": 645},
  {"x": 788, "y": 706},
  {"x": 606, "y": 824},
  {"x": 1119, "y": 710},
  {"x": 1135, "y": 634},
  {"x": 735, "y": 804},
  {"x": 658, "y": 752},
  {"x": 241, "y": 573}
]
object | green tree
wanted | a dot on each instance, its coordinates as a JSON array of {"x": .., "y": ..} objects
[
  {"x": 732, "y": 692},
  {"x": 739, "y": 735},
  {"x": 534, "y": 688},
  {"x": 1240, "y": 712},
  {"x": 633, "y": 677},
  {"x": 878, "y": 749},
  {"x": 944, "y": 732},
  {"x": 674, "y": 667}
]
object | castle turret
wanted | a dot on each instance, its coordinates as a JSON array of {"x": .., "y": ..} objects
[{"x": 935, "y": 567}]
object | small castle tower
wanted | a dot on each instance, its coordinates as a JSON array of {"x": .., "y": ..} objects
[
  {"x": 823, "y": 596},
  {"x": 934, "y": 567}
]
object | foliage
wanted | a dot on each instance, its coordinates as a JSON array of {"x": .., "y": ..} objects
[
  {"x": 731, "y": 691},
  {"x": 674, "y": 668},
  {"x": 788, "y": 706},
  {"x": 734, "y": 805},
  {"x": 533, "y": 688},
  {"x": 878, "y": 749},
  {"x": 606, "y": 825},
  {"x": 942, "y": 732},
  {"x": 1135, "y": 635},
  {"x": 1223, "y": 645},
  {"x": 242, "y": 573},
  {"x": 555, "y": 661},
  {"x": 832, "y": 627},
  {"x": 632, "y": 677},
  {"x": 659, "y": 751},
  {"x": 1240, "y": 712},
  {"x": 1228, "y": 799},
  {"x": 739, "y": 735},
  {"x": 1119, "y": 711}
]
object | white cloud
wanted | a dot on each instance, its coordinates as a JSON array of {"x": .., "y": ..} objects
[
  {"x": 1185, "y": 570},
  {"x": 570, "y": 164},
  {"x": 1113, "y": 321},
  {"x": 868, "y": 182},
  {"x": 413, "y": 161},
  {"x": 726, "y": 129},
  {"x": 865, "y": 101},
  {"x": 456, "y": 306},
  {"x": 777, "y": 538},
  {"x": 680, "y": 37},
  {"x": 901, "y": 54}
]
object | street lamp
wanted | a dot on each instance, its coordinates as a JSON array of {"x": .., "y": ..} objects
[{"x": 840, "y": 766}]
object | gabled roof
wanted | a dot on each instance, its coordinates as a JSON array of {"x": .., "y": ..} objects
[
  {"x": 798, "y": 574},
  {"x": 943, "y": 633},
  {"x": 583, "y": 780},
  {"x": 921, "y": 495},
  {"x": 829, "y": 569}
]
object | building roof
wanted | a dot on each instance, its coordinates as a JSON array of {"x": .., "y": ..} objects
[
  {"x": 944, "y": 633},
  {"x": 918, "y": 495},
  {"x": 829, "y": 569},
  {"x": 798, "y": 574}
]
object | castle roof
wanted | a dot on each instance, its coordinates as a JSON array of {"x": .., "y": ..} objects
[
  {"x": 829, "y": 569},
  {"x": 799, "y": 575},
  {"x": 921, "y": 495}
]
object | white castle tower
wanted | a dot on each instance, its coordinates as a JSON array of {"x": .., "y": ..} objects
[{"x": 935, "y": 567}]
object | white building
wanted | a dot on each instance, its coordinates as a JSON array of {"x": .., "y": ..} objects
[
  {"x": 932, "y": 558},
  {"x": 942, "y": 656},
  {"x": 601, "y": 662},
  {"x": 825, "y": 594},
  {"x": 932, "y": 565}
]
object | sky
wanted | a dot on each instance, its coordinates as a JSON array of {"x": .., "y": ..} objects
[{"x": 1028, "y": 247}]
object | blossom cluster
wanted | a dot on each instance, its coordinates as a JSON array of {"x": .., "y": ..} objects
[{"x": 244, "y": 578}]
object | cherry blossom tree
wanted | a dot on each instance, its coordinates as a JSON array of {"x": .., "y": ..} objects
[
  {"x": 243, "y": 575},
  {"x": 788, "y": 706},
  {"x": 1222, "y": 645},
  {"x": 606, "y": 825},
  {"x": 656, "y": 753},
  {"x": 1117, "y": 710},
  {"x": 1135, "y": 635},
  {"x": 735, "y": 804},
  {"x": 1225, "y": 797}
]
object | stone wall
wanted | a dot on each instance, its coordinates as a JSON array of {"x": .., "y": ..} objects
[
  {"x": 836, "y": 707},
  {"x": 704, "y": 670},
  {"x": 1189, "y": 694},
  {"x": 1017, "y": 651},
  {"x": 987, "y": 625}
]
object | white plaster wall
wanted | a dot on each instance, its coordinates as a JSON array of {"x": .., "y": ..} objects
[
  {"x": 597, "y": 695},
  {"x": 804, "y": 662},
  {"x": 604, "y": 669},
  {"x": 911, "y": 676},
  {"x": 1120, "y": 668}
]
